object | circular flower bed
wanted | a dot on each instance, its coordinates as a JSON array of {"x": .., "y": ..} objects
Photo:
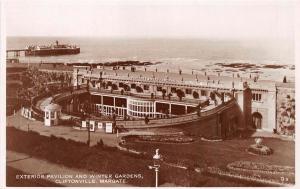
[{"x": 260, "y": 149}]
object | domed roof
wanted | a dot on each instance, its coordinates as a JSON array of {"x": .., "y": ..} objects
[{"x": 53, "y": 107}]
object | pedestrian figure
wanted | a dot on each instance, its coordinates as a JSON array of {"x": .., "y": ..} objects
[{"x": 146, "y": 120}]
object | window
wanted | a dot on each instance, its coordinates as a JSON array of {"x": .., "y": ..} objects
[
  {"x": 203, "y": 93},
  {"x": 256, "y": 97},
  {"x": 159, "y": 88},
  {"x": 188, "y": 91}
]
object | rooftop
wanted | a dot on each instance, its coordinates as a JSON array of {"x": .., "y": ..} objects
[{"x": 53, "y": 107}]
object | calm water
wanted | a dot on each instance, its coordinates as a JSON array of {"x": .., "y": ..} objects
[
  {"x": 186, "y": 54},
  {"x": 163, "y": 50}
]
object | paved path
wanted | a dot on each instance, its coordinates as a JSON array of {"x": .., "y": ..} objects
[
  {"x": 35, "y": 166},
  {"x": 66, "y": 132}
]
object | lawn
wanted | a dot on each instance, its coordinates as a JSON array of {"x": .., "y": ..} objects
[
  {"x": 108, "y": 160},
  {"x": 219, "y": 154},
  {"x": 103, "y": 160}
]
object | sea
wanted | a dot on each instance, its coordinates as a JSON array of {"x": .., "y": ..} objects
[{"x": 172, "y": 53}]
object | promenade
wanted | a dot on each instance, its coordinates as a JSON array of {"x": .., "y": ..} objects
[
  {"x": 60, "y": 131},
  {"x": 184, "y": 79}
]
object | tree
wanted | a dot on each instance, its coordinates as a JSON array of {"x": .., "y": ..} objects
[
  {"x": 109, "y": 83},
  {"x": 180, "y": 94},
  {"x": 126, "y": 87},
  {"x": 139, "y": 89},
  {"x": 169, "y": 96},
  {"x": 195, "y": 95},
  {"x": 114, "y": 87},
  {"x": 164, "y": 91}
]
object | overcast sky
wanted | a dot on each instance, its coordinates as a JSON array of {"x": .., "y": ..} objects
[{"x": 238, "y": 19}]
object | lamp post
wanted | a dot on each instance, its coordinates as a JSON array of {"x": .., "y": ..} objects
[
  {"x": 156, "y": 165},
  {"x": 84, "y": 114}
]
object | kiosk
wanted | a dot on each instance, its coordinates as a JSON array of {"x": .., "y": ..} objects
[{"x": 52, "y": 114}]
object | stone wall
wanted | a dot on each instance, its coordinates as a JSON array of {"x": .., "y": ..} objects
[{"x": 223, "y": 125}]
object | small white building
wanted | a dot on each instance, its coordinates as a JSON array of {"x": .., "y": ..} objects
[
  {"x": 26, "y": 112},
  {"x": 52, "y": 114}
]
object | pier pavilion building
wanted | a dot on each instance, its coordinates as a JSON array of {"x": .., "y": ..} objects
[{"x": 138, "y": 93}]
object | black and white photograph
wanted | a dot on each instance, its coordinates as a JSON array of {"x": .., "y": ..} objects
[{"x": 149, "y": 93}]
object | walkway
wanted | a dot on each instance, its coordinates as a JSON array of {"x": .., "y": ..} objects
[
  {"x": 35, "y": 166},
  {"x": 66, "y": 132},
  {"x": 183, "y": 119}
]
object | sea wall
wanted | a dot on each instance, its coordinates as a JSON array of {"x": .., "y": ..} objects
[{"x": 222, "y": 125}]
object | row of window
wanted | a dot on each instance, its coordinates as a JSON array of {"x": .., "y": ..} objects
[
  {"x": 256, "y": 97},
  {"x": 140, "y": 108},
  {"x": 140, "y": 103},
  {"x": 107, "y": 110}
]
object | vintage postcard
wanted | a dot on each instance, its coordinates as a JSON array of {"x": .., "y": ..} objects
[{"x": 149, "y": 93}]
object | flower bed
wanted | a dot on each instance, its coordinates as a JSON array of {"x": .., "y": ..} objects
[
  {"x": 244, "y": 178},
  {"x": 260, "y": 149},
  {"x": 159, "y": 138},
  {"x": 261, "y": 168},
  {"x": 166, "y": 139}
]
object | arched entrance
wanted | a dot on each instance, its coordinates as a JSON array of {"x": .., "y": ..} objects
[{"x": 257, "y": 120}]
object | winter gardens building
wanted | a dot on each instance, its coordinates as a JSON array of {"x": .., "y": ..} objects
[{"x": 215, "y": 105}]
